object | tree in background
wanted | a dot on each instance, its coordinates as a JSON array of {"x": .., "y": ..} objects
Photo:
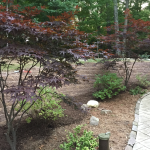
[
  {"x": 129, "y": 41},
  {"x": 136, "y": 8},
  {"x": 52, "y": 7},
  {"x": 118, "y": 51},
  {"x": 94, "y": 15}
]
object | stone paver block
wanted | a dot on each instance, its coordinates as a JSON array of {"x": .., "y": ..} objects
[
  {"x": 133, "y": 134},
  {"x": 135, "y": 123},
  {"x": 138, "y": 101},
  {"x": 137, "y": 106},
  {"x": 137, "y": 111},
  {"x": 136, "y": 118},
  {"x": 128, "y": 147},
  {"x": 131, "y": 141},
  {"x": 134, "y": 128}
]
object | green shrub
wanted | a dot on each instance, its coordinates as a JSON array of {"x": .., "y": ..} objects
[
  {"x": 46, "y": 108},
  {"x": 108, "y": 85},
  {"x": 84, "y": 142},
  {"x": 137, "y": 90},
  {"x": 143, "y": 80},
  {"x": 144, "y": 56}
]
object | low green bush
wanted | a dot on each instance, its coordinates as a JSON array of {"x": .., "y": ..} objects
[
  {"x": 47, "y": 108},
  {"x": 144, "y": 56},
  {"x": 143, "y": 80},
  {"x": 80, "y": 142},
  {"x": 108, "y": 85},
  {"x": 137, "y": 90}
]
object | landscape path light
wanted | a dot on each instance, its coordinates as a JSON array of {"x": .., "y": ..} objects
[{"x": 104, "y": 141}]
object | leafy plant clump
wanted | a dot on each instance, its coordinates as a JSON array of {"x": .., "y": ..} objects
[
  {"x": 84, "y": 142},
  {"x": 143, "y": 80},
  {"x": 109, "y": 84},
  {"x": 46, "y": 108},
  {"x": 144, "y": 56},
  {"x": 137, "y": 90}
]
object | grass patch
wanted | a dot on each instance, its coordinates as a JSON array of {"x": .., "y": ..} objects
[
  {"x": 90, "y": 60},
  {"x": 15, "y": 66}
]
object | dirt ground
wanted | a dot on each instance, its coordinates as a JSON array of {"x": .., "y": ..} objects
[{"x": 40, "y": 135}]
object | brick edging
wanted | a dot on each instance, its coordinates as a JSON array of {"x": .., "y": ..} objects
[{"x": 133, "y": 134}]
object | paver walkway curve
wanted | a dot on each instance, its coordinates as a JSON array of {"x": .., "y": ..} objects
[{"x": 142, "y": 141}]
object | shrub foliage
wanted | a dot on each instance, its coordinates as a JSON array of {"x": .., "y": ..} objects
[
  {"x": 108, "y": 85},
  {"x": 78, "y": 141},
  {"x": 47, "y": 108}
]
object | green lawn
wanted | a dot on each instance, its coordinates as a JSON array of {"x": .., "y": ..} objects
[{"x": 15, "y": 65}]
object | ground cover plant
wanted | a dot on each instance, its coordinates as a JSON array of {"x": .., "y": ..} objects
[
  {"x": 79, "y": 141},
  {"x": 144, "y": 56},
  {"x": 137, "y": 90},
  {"x": 47, "y": 108},
  {"x": 108, "y": 85},
  {"x": 143, "y": 80}
]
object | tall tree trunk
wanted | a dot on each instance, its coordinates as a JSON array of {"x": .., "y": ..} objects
[
  {"x": 125, "y": 28},
  {"x": 108, "y": 18},
  {"x": 118, "y": 52}
]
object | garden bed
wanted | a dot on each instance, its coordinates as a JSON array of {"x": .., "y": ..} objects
[{"x": 49, "y": 135}]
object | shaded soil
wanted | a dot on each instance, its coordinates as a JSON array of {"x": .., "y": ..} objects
[{"x": 41, "y": 135}]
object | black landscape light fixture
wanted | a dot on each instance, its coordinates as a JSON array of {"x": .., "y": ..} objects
[{"x": 104, "y": 141}]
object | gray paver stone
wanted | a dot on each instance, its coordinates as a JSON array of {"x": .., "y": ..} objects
[
  {"x": 133, "y": 134},
  {"x": 128, "y": 148},
  {"x": 136, "y": 118},
  {"x": 138, "y": 101},
  {"x": 135, "y": 123},
  {"x": 137, "y": 106},
  {"x": 131, "y": 141},
  {"x": 145, "y": 95},
  {"x": 134, "y": 128},
  {"x": 137, "y": 111}
]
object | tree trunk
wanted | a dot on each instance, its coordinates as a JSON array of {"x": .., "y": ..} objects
[
  {"x": 125, "y": 27},
  {"x": 11, "y": 133},
  {"x": 118, "y": 52},
  {"x": 108, "y": 18}
]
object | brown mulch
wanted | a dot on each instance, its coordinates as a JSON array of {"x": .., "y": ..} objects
[{"x": 41, "y": 135}]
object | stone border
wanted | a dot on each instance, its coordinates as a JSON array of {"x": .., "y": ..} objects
[{"x": 133, "y": 134}]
